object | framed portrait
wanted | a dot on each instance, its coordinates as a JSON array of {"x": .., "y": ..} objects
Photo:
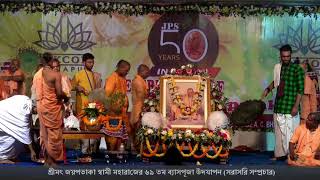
[{"x": 185, "y": 101}]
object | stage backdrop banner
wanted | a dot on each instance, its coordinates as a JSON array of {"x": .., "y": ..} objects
[{"x": 244, "y": 50}]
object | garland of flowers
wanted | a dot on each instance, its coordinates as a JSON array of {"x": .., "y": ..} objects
[
  {"x": 204, "y": 152},
  {"x": 130, "y": 9},
  {"x": 217, "y": 153},
  {"x": 192, "y": 151},
  {"x": 105, "y": 120},
  {"x": 152, "y": 101},
  {"x": 154, "y": 152},
  {"x": 176, "y": 97},
  {"x": 200, "y": 138}
]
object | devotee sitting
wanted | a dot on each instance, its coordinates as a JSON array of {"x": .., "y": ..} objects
[
  {"x": 305, "y": 142},
  {"x": 15, "y": 128}
]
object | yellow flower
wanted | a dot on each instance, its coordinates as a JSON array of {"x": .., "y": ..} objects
[{"x": 170, "y": 132}]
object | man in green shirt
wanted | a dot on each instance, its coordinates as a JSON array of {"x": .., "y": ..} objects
[{"x": 289, "y": 81}]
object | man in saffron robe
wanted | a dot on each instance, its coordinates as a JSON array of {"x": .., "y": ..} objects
[
  {"x": 50, "y": 110},
  {"x": 309, "y": 98},
  {"x": 14, "y": 78},
  {"x": 84, "y": 82},
  {"x": 305, "y": 142},
  {"x": 117, "y": 83},
  {"x": 139, "y": 93}
]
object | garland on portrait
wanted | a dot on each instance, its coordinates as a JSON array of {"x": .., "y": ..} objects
[{"x": 135, "y": 9}]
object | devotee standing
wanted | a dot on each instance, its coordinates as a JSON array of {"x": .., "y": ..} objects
[
  {"x": 50, "y": 110},
  {"x": 84, "y": 82},
  {"x": 305, "y": 143},
  {"x": 139, "y": 91},
  {"x": 289, "y": 81},
  {"x": 15, "y": 128},
  {"x": 309, "y": 97},
  {"x": 14, "y": 78},
  {"x": 117, "y": 83}
]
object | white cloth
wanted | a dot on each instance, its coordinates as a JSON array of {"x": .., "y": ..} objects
[
  {"x": 276, "y": 75},
  {"x": 285, "y": 125},
  {"x": 9, "y": 146},
  {"x": 14, "y": 117}
]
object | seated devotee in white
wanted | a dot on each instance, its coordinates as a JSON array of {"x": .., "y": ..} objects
[{"x": 15, "y": 127}]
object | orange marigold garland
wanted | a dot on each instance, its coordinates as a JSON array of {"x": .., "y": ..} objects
[
  {"x": 106, "y": 119},
  {"x": 216, "y": 152},
  {"x": 191, "y": 152},
  {"x": 153, "y": 152}
]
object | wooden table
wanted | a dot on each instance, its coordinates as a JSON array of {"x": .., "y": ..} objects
[{"x": 69, "y": 134}]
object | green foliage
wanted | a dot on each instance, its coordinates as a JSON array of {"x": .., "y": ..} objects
[
  {"x": 247, "y": 112},
  {"x": 115, "y": 103},
  {"x": 131, "y": 9}
]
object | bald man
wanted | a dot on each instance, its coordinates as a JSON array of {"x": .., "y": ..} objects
[
  {"x": 139, "y": 93},
  {"x": 117, "y": 83}
]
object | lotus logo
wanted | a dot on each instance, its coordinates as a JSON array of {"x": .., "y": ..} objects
[
  {"x": 76, "y": 37},
  {"x": 294, "y": 37}
]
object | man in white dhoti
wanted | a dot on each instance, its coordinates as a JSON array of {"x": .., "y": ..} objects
[
  {"x": 289, "y": 81},
  {"x": 15, "y": 128}
]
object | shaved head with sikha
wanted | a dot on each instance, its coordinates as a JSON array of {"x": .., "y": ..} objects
[
  {"x": 143, "y": 71},
  {"x": 123, "y": 67}
]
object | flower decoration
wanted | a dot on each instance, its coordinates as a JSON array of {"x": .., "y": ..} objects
[
  {"x": 94, "y": 109},
  {"x": 131, "y": 9},
  {"x": 177, "y": 98},
  {"x": 92, "y": 113},
  {"x": 202, "y": 137},
  {"x": 152, "y": 102},
  {"x": 218, "y": 99}
]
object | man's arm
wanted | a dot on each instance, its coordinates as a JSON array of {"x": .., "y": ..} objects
[
  {"x": 267, "y": 90},
  {"x": 293, "y": 141},
  {"x": 76, "y": 86},
  {"x": 58, "y": 85},
  {"x": 109, "y": 86},
  {"x": 293, "y": 155}
]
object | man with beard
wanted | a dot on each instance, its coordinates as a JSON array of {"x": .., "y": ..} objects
[
  {"x": 289, "y": 81},
  {"x": 84, "y": 82}
]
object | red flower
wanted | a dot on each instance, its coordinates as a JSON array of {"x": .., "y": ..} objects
[
  {"x": 179, "y": 72},
  {"x": 189, "y": 71}
]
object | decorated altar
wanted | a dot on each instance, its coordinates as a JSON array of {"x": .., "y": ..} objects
[{"x": 186, "y": 111}]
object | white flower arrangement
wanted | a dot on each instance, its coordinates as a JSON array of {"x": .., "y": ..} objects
[{"x": 92, "y": 105}]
